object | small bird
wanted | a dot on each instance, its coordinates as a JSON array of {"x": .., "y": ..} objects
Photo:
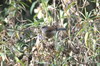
[{"x": 50, "y": 31}]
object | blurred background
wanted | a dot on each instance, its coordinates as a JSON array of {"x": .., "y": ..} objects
[{"x": 22, "y": 42}]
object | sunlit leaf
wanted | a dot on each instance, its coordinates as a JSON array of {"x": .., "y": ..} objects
[
  {"x": 17, "y": 35},
  {"x": 94, "y": 44},
  {"x": 3, "y": 55},
  {"x": 86, "y": 39},
  {"x": 30, "y": 1}
]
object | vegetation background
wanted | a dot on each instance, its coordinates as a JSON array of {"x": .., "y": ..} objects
[{"x": 22, "y": 43}]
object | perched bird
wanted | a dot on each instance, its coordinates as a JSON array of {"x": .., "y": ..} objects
[{"x": 50, "y": 31}]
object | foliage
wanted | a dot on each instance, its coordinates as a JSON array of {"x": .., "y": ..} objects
[{"x": 22, "y": 43}]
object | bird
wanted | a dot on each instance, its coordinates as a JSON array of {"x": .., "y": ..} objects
[{"x": 50, "y": 31}]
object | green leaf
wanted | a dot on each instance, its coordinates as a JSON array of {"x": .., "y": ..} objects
[
  {"x": 24, "y": 4},
  {"x": 1, "y": 27},
  {"x": 33, "y": 5},
  {"x": 19, "y": 61},
  {"x": 44, "y": 1}
]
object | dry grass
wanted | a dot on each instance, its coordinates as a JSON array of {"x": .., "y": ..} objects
[{"x": 22, "y": 43}]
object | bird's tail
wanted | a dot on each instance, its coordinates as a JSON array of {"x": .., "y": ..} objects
[{"x": 61, "y": 29}]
